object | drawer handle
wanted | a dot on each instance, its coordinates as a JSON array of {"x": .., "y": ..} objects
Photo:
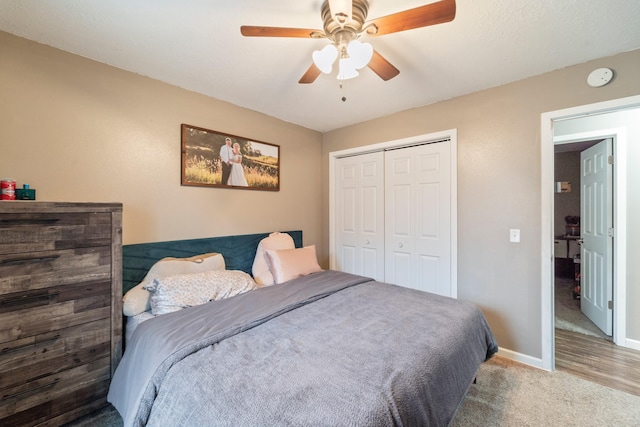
[
  {"x": 24, "y": 298},
  {"x": 24, "y": 260},
  {"x": 8, "y": 350},
  {"x": 29, "y": 220},
  {"x": 31, "y": 391}
]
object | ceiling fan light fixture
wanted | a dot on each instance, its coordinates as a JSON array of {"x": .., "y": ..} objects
[
  {"x": 360, "y": 53},
  {"x": 347, "y": 69},
  {"x": 341, "y": 10},
  {"x": 324, "y": 59},
  {"x": 344, "y": 21}
]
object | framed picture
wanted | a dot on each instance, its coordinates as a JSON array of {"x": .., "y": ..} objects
[{"x": 216, "y": 159}]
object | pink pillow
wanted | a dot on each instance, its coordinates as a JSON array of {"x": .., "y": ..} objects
[
  {"x": 276, "y": 241},
  {"x": 287, "y": 264}
]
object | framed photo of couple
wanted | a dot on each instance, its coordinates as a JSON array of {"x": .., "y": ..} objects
[{"x": 216, "y": 159}]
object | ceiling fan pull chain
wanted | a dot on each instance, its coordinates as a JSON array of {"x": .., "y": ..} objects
[{"x": 344, "y": 98}]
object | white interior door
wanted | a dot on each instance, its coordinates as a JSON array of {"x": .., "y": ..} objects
[
  {"x": 418, "y": 217},
  {"x": 596, "y": 224},
  {"x": 360, "y": 215}
]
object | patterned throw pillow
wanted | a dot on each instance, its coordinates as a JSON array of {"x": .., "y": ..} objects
[
  {"x": 173, "y": 293},
  {"x": 137, "y": 300}
]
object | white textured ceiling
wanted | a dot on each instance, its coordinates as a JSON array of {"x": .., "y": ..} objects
[{"x": 196, "y": 45}]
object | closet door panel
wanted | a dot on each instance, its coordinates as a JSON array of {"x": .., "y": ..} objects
[
  {"x": 428, "y": 273},
  {"x": 369, "y": 210},
  {"x": 370, "y": 259},
  {"x": 433, "y": 219},
  {"x": 360, "y": 215},
  {"x": 372, "y": 217},
  {"x": 346, "y": 217},
  {"x": 399, "y": 226},
  {"x": 348, "y": 259},
  {"x": 417, "y": 220},
  {"x": 400, "y": 211},
  {"x": 400, "y": 265}
]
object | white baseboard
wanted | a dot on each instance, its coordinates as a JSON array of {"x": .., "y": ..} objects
[
  {"x": 634, "y": 344},
  {"x": 519, "y": 357},
  {"x": 537, "y": 363}
]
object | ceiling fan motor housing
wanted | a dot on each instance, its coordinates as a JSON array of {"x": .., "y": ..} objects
[{"x": 349, "y": 30}]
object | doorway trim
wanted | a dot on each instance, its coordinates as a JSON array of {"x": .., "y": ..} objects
[
  {"x": 547, "y": 142},
  {"x": 452, "y": 136}
]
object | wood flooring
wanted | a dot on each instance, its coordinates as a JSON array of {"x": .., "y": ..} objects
[{"x": 598, "y": 360}]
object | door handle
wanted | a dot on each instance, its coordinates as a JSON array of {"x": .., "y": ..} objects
[
  {"x": 367, "y": 242},
  {"x": 580, "y": 241},
  {"x": 400, "y": 245}
]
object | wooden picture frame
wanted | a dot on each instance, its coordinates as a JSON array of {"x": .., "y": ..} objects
[{"x": 207, "y": 160}]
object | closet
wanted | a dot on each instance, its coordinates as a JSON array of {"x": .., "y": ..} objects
[{"x": 393, "y": 215}]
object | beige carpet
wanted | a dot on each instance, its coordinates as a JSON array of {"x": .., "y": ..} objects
[{"x": 511, "y": 394}]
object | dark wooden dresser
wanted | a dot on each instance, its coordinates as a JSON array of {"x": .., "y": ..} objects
[{"x": 60, "y": 309}]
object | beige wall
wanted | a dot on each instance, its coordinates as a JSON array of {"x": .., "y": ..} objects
[
  {"x": 79, "y": 130},
  {"x": 499, "y": 173}
]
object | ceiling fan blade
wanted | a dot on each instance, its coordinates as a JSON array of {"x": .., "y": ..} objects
[
  {"x": 311, "y": 75},
  {"x": 382, "y": 67},
  {"x": 251, "y": 31},
  {"x": 422, "y": 16}
]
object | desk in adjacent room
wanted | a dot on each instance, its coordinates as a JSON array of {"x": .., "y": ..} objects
[{"x": 568, "y": 239}]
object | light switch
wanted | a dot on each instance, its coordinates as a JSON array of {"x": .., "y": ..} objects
[{"x": 514, "y": 235}]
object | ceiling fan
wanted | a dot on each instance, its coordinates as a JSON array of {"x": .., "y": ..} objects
[{"x": 344, "y": 22}]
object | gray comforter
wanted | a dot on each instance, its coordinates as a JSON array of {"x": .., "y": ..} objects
[{"x": 326, "y": 349}]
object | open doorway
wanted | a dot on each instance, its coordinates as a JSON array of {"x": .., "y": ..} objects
[
  {"x": 606, "y": 119},
  {"x": 575, "y": 290}
]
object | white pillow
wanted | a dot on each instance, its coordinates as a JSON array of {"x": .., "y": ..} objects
[
  {"x": 136, "y": 300},
  {"x": 261, "y": 272},
  {"x": 288, "y": 264},
  {"x": 169, "y": 294}
]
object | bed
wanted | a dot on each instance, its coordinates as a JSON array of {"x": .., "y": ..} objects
[{"x": 321, "y": 348}]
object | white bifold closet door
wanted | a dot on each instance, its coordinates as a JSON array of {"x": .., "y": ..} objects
[
  {"x": 393, "y": 216},
  {"x": 359, "y": 224},
  {"x": 418, "y": 218}
]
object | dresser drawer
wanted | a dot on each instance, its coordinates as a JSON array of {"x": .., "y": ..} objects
[
  {"x": 55, "y": 395},
  {"x": 32, "y": 313},
  {"x": 27, "y": 359},
  {"x": 40, "y": 270},
  {"x": 37, "y": 232}
]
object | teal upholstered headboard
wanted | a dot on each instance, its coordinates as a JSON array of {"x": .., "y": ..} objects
[{"x": 238, "y": 253}]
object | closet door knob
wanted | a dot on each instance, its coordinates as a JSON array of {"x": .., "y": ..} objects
[
  {"x": 367, "y": 242},
  {"x": 400, "y": 245}
]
